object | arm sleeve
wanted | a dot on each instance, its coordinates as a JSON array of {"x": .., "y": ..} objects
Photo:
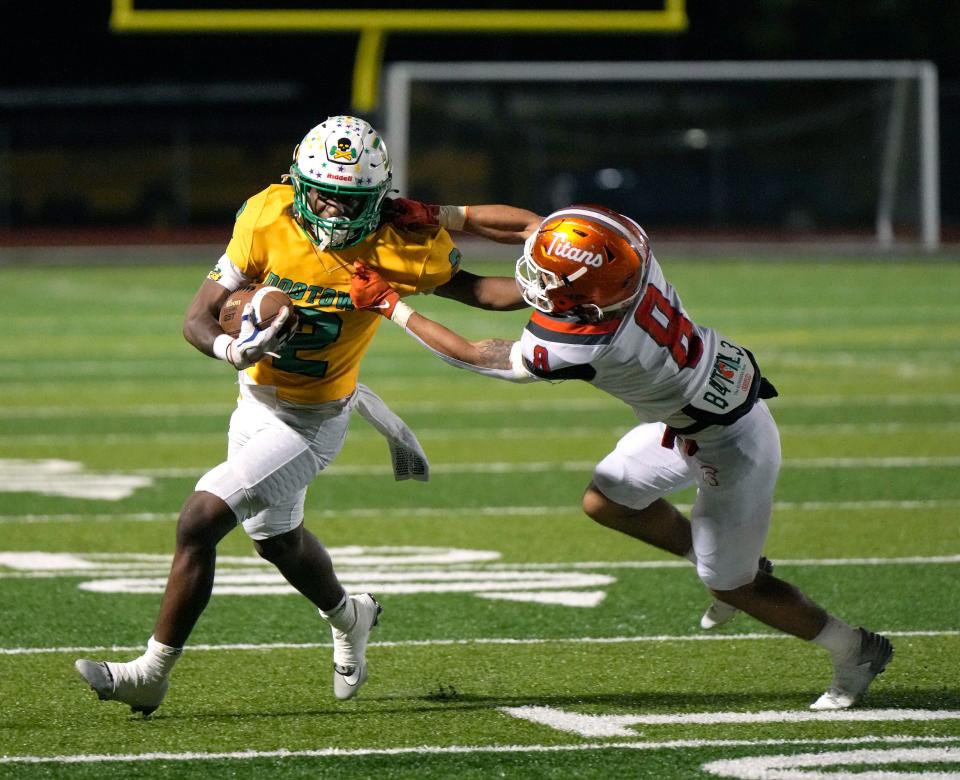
[{"x": 226, "y": 274}]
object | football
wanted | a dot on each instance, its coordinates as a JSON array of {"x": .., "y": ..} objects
[{"x": 267, "y": 302}]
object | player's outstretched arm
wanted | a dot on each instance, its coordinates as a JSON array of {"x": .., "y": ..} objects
[
  {"x": 494, "y": 293},
  {"x": 506, "y": 224},
  {"x": 498, "y": 222},
  {"x": 498, "y": 358},
  {"x": 487, "y": 353}
]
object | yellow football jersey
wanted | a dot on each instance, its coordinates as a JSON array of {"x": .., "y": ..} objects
[{"x": 322, "y": 361}]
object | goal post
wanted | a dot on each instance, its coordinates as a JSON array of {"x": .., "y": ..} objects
[
  {"x": 374, "y": 23},
  {"x": 803, "y": 149}
]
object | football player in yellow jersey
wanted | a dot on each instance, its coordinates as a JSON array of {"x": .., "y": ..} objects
[{"x": 298, "y": 385}]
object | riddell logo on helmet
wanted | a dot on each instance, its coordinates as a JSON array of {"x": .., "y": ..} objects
[{"x": 562, "y": 248}]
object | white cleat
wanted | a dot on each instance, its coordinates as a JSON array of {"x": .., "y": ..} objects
[
  {"x": 852, "y": 678},
  {"x": 349, "y": 648},
  {"x": 125, "y": 683},
  {"x": 719, "y": 612}
]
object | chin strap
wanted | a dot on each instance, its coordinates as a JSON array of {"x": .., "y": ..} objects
[
  {"x": 590, "y": 312},
  {"x": 613, "y": 312}
]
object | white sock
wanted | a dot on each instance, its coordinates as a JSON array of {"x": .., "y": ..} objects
[
  {"x": 159, "y": 658},
  {"x": 838, "y": 639},
  {"x": 343, "y": 616}
]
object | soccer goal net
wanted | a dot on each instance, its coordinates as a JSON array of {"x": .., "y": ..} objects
[{"x": 768, "y": 151}]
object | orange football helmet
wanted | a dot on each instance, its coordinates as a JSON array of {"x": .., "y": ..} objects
[{"x": 584, "y": 259}]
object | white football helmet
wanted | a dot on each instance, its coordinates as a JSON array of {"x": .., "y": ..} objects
[{"x": 345, "y": 160}]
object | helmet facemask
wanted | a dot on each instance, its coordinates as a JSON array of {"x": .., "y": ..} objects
[
  {"x": 360, "y": 210},
  {"x": 342, "y": 163},
  {"x": 536, "y": 282}
]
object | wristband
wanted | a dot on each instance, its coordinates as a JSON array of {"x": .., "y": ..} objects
[
  {"x": 452, "y": 217},
  {"x": 401, "y": 313},
  {"x": 221, "y": 346}
]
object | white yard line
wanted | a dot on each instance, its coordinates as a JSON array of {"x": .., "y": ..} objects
[
  {"x": 612, "y": 640},
  {"x": 540, "y": 467},
  {"x": 606, "y": 725},
  {"x": 901, "y": 462},
  {"x": 78, "y": 517},
  {"x": 429, "y": 432},
  {"x": 908, "y": 560},
  {"x": 24, "y": 411},
  {"x": 854, "y": 429},
  {"x": 525, "y": 467},
  {"x": 477, "y": 570},
  {"x": 863, "y": 764},
  {"x": 484, "y": 511},
  {"x": 481, "y": 570},
  {"x": 676, "y": 744},
  {"x": 519, "y": 467}
]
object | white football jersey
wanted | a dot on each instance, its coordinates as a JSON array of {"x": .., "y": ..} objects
[{"x": 655, "y": 359}]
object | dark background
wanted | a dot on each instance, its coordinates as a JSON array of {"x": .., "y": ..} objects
[{"x": 62, "y": 69}]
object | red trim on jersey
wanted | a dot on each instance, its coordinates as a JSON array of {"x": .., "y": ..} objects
[{"x": 571, "y": 326}]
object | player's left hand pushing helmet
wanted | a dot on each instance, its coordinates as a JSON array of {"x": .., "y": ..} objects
[
  {"x": 342, "y": 159},
  {"x": 583, "y": 260}
]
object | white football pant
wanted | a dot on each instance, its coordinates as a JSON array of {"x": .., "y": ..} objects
[
  {"x": 275, "y": 451},
  {"x": 735, "y": 471}
]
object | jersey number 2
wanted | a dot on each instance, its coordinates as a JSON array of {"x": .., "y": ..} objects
[
  {"x": 324, "y": 329},
  {"x": 671, "y": 329}
]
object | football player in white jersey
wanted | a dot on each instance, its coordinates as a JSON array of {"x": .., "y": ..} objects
[{"x": 605, "y": 314}]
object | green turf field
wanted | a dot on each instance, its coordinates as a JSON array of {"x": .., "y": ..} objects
[{"x": 518, "y": 638}]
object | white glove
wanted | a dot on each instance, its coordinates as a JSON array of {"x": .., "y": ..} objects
[{"x": 253, "y": 344}]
